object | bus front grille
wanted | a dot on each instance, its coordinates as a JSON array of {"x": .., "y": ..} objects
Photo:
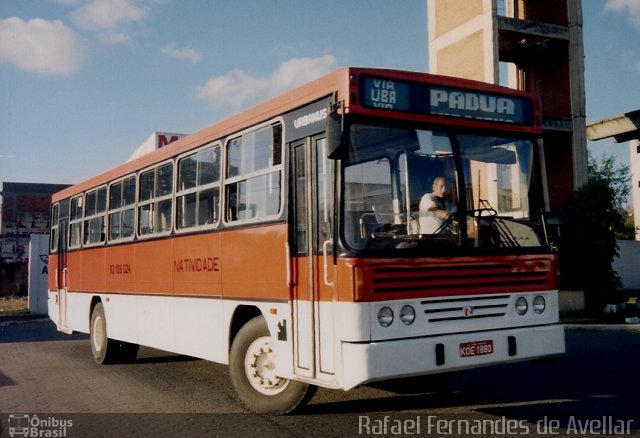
[
  {"x": 474, "y": 308},
  {"x": 456, "y": 279}
]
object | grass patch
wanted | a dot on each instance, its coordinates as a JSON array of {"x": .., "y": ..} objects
[{"x": 13, "y": 305}]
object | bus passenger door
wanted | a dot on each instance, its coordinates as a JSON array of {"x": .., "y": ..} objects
[
  {"x": 312, "y": 261},
  {"x": 62, "y": 276}
]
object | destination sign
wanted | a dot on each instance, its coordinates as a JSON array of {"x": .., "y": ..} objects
[{"x": 445, "y": 101}]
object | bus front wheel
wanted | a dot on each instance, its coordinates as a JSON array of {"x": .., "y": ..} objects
[
  {"x": 106, "y": 350},
  {"x": 254, "y": 375}
]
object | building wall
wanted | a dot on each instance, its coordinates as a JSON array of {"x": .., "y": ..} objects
[
  {"x": 546, "y": 11},
  {"x": 24, "y": 207},
  {"x": 24, "y": 210},
  {"x": 464, "y": 57},
  {"x": 454, "y": 13},
  {"x": 559, "y": 166},
  {"x": 461, "y": 38}
]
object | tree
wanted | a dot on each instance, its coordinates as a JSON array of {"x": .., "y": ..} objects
[
  {"x": 588, "y": 243},
  {"x": 619, "y": 179},
  {"x": 594, "y": 219}
]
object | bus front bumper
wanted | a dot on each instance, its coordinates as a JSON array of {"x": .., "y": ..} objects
[{"x": 367, "y": 362}]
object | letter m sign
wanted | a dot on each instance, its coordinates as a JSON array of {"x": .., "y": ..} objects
[{"x": 165, "y": 139}]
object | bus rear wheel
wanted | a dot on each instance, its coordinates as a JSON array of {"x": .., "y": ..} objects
[
  {"x": 254, "y": 375},
  {"x": 106, "y": 350}
]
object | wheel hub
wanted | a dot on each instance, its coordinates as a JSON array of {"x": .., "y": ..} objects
[
  {"x": 260, "y": 367},
  {"x": 98, "y": 334}
]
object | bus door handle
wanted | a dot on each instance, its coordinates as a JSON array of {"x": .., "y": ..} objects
[
  {"x": 326, "y": 263},
  {"x": 65, "y": 272},
  {"x": 287, "y": 251}
]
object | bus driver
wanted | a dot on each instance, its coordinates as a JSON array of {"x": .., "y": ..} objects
[{"x": 433, "y": 211}]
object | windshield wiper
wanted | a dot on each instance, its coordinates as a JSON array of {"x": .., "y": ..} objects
[{"x": 496, "y": 223}]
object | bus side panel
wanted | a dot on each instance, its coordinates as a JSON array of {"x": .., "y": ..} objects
[
  {"x": 167, "y": 293},
  {"x": 93, "y": 272},
  {"x": 155, "y": 321},
  {"x": 153, "y": 267},
  {"x": 120, "y": 268},
  {"x": 201, "y": 326},
  {"x": 52, "y": 280},
  {"x": 194, "y": 326},
  {"x": 122, "y": 313},
  {"x": 74, "y": 276},
  {"x": 52, "y": 306},
  {"x": 78, "y": 311},
  {"x": 254, "y": 262},
  {"x": 196, "y": 265},
  {"x": 183, "y": 325}
]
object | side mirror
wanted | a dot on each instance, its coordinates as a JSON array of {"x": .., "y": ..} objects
[{"x": 337, "y": 146}]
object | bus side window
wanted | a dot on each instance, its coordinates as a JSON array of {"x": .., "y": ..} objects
[
  {"x": 55, "y": 217},
  {"x": 122, "y": 196},
  {"x": 155, "y": 204},
  {"x": 198, "y": 189},
  {"x": 232, "y": 200},
  {"x": 254, "y": 174},
  {"x": 75, "y": 221},
  {"x": 147, "y": 183},
  {"x": 95, "y": 214}
]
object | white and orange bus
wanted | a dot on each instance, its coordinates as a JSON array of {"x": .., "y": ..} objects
[{"x": 288, "y": 241}]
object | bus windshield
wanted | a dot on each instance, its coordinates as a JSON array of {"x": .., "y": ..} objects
[{"x": 415, "y": 188}]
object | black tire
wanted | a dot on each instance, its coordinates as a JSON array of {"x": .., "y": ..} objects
[
  {"x": 262, "y": 390},
  {"x": 105, "y": 350}
]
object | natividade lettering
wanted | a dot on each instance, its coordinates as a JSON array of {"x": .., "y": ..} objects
[{"x": 203, "y": 264}]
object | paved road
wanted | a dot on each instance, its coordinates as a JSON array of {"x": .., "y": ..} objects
[{"x": 51, "y": 377}]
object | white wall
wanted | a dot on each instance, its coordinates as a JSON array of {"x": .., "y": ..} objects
[
  {"x": 628, "y": 264},
  {"x": 634, "y": 155},
  {"x": 38, "y": 273}
]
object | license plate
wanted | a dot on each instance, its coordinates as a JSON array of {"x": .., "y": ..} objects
[{"x": 478, "y": 348}]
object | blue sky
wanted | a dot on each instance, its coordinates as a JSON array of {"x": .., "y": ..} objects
[{"x": 84, "y": 82}]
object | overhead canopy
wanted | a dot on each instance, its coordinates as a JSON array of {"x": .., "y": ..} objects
[{"x": 622, "y": 128}]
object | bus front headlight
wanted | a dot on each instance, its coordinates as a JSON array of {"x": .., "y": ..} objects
[
  {"x": 385, "y": 316},
  {"x": 539, "y": 304},
  {"x": 522, "y": 306},
  {"x": 407, "y": 315}
]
